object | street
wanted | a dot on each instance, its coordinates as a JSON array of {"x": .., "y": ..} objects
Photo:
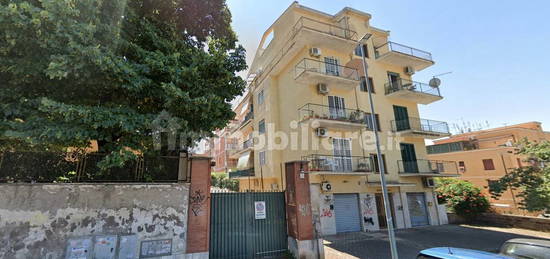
[{"x": 411, "y": 241}]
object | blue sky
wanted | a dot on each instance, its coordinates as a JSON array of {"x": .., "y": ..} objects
[{"x": 498, "y": 51}]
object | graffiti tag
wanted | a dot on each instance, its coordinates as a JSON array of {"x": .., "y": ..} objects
[{"x": 196, "y": 201}]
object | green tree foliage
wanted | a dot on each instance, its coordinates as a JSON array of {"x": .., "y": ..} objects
[
  {"x": 532, "y": 181},
  {"x": 221, "y": 180},
  {"x": 72, "y": 71},
  {"x": 462, "y": 197}
]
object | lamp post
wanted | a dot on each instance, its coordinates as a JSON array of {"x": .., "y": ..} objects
[{"x": 391, "y": 234}]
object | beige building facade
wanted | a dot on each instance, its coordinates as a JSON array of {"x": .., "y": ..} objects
[
  {"x": 487, "y": 155},
  {"x": 308, "y": 100}
]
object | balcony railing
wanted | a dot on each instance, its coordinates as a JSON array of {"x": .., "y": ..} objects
[
  {"x": 422, "y": 166},
  {"x": 452, "y": 147},
  {"x": 408, "y": 85},
  {"x": 242, "y": 173},
  {"x": 400, "y": 48},
  {"x": 317, "y": 111},
  {"x": 323, "y": 27},
  {"x": 341, "y": 164},
  {"x": 248, "y": 143},
  {"x": 420, "y": 125},
  {"x": 325, "y": 68}
]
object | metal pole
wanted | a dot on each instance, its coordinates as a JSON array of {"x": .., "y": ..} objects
[{"x": 391, "y": 234}]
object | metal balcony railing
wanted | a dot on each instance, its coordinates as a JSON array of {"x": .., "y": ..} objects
[
  {"x": 422, "y": 125},
  {"x": 323, "y": 27},
  {"x": 318, "y": 111},
  {"x": 325, "y": 68},
  {"x": 242, "y": 173},
  {"x": 423, "y": 166},
  {"x": 344, "y": 164},
  {"x": 400, "y": 48},
  {"x": 408, "y": 85},
  {"x": 248, "y": 143}
]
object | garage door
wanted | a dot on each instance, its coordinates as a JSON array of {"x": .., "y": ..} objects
[{"x": 346, "y": 213}]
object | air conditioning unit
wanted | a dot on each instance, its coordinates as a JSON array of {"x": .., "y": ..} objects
[
  {"x": 315, "y": 52},
  {"x": 326, "y": 186},
  {"x": 321, "y": 132},
  {"x": 428, "y": 182},
  {"x": 409, "y": 70},
  {"x": 322, "y": 89}
]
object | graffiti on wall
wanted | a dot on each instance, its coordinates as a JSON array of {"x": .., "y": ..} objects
[
  {"x": 196, "y": 202},
  {"x": 326, "y": 212},
  {"x": 369, "y": 208}
]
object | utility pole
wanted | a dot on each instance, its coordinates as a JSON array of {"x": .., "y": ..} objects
[{"x": 391, "y": 234}]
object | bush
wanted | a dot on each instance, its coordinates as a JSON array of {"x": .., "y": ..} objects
[
  {"x": 221, "y": 180},
  {"x": 462, "y": 197}
]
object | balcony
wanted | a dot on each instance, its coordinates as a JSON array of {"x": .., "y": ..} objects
[
  {"x": 422, "y": 167},
  {"x": 240, "y": 149},
  {"x": 311, "y": 71},
  {"x": 329, "y": 117},
  {"x": 346, "y": 165},
  {"x": 242, "y": 173},
  {"x": 408, "y": 90},
  {"x": 453, "y": 147},
  {"x": 416, "y": 127},
  {"x": 324, "y": 35},
  {"x": 400, "y": 55}
]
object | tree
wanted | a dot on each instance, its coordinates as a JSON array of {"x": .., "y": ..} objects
[
  {"x": 76, "y": 71},
  {"x": 532, "y": 181},
  {"x": 221, "y": 181},
  {"x": 462, "y": 197}
]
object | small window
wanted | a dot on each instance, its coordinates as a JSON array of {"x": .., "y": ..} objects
[
  {"x": 462, "y": 166},
  {"x": 368, "y": 121},
  {"x": 262, "y": 157},
  {"x": 488, "y": 164},
  {"x": 357, "y": 50},
  {"x": 374, "y": 158},
  {"x": 261, "y": 127},
  {"x": 261, "y": 97},
  {"x": 364, "y": 85}
]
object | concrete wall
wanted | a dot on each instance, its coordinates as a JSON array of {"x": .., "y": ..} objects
[{"x": 37, "y": 220}]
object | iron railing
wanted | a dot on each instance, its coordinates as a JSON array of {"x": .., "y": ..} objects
[
  {"x": 323, "y": 27},
  {"x": 49, "y": 167},
  {"x": 318, "y": 111},
  {"x": 403, "y": 49},
  {"x": 344, "y": 164},
  {"x": 421, "y": 125},
  {"x": 408, "y": 85},
  {"x": 242, "y": 173},
  {"x": 248, "y": 143},
  {"x": 452, "y": 147},
  {"x": 423, "y": 166},
  {"x": 325, "y": 68}
]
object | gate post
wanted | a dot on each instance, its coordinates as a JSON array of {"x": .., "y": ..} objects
[
  {"x": 198, "y": 219},
  {"x": 302, "y": 242}
]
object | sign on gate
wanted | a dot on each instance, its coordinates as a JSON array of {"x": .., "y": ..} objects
[{"x": 259, "y": 209}]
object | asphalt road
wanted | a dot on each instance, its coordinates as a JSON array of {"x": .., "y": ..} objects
[{"x": 411, "y": 241}]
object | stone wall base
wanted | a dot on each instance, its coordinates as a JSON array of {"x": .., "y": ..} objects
[{"x": 306, "y": 249}]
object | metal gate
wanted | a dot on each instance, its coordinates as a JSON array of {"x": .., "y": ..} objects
[
  {"x": 248, "y": 225},
  {"x": 346, "y": 211}
]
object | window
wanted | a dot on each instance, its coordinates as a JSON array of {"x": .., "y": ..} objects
[
  {"x": 342, "y": 155},
  {"x": 261, "y": 127},
  {"x": 368, "y": 121},
  {"x": 262, "y": 157},
  {"x": 374, "y": 158},
  {"x": 337, "y": 107},
  {"x": 261, "y": 97},
  {"x": 461, "y": 166},
  {"x": 491, "y": 183},
  {"x": 331, "y": 66},
  {"x": 357, "y": 51},
  {"x": 364, "y": 85},
  {"x": 488, "y": 164}
]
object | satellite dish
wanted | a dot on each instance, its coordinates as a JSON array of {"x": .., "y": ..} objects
[{"x": 435, "y": 82}]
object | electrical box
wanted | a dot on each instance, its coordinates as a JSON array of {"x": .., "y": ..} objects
[
  {"x": 79, "y": 248},
  {"x": 105, "y": 247},
  {"x": 128, "y": 247}
]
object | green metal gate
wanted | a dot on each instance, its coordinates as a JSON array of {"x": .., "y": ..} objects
[{"x": 239, "y": 230}]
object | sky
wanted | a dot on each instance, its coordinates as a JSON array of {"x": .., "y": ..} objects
[{"x": 498, "y": 51}]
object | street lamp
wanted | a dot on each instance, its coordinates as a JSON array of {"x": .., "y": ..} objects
[{"x": 391, "y": 234}]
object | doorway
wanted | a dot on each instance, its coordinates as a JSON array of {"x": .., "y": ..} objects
[
  {"x": 401, "y": 115},
  {"x": 417, "y": 209},
  {"x": 408, "y": 155},
  {"x": 382, "y": 222}
]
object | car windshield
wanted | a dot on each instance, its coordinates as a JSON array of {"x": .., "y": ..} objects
[{"x": 524, "y": 251}]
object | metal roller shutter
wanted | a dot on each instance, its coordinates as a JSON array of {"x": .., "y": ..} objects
[{"x": 346, "y": 213}]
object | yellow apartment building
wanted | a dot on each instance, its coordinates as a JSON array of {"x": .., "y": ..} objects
[
  {"x": 307, "y": 100},
  {"x": 487, "y": 155}
]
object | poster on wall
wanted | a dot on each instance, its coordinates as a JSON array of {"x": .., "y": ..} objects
[
  {"x": 259, "y": 210},
  {"x": 155, "y": 248}
]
